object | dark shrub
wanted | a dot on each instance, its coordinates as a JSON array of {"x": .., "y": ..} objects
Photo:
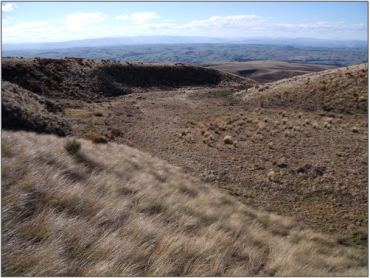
[{"x": 72, "y": 146}]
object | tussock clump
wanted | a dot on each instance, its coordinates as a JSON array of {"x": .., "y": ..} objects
[
  {"x": 261, "y": 125},
  {"x": 227, "y": 139},
  {"x": 327, "y": 125},
  {"x": 256, "y": 137},
  {"x": 99, "y": 140},
  {"x": 183, "y": 132},
  {"x": 354, "y": 129},
  {"x": 315, "y": 125},
  {"x": 72, "y": 146},
  {"x": 188, "y": 138},
  {"x": 115, "y": 133},
  {"x": 201, "y": 126},
  {"x": 271, "y": 175},
  {"x": 219, "y": 147}
]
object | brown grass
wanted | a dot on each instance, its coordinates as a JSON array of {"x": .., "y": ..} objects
[
  {"x": 340, "y": 94},
  {"x": 111, "y": 210}
]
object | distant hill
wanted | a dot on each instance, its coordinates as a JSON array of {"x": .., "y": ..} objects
[
  {"x": 182, "y": 39},
  {"x": 173, "y": 49}
]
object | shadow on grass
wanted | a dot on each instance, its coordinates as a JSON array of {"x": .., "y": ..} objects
[{"x": 88, "y": 163}]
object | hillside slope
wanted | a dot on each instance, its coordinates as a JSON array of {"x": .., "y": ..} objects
[
  {"x": 267, "y": 71},
  {"x": 24, "y": 110},
  {"x": 342, "y": 90},
  {"x": 111, "y": 210},
  {"x": 77, "y": 78}
]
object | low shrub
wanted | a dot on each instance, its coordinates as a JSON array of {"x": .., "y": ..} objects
[{"x": 72, "y": 146}]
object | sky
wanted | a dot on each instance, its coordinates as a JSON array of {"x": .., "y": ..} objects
[{"x": 26, "y": 22}]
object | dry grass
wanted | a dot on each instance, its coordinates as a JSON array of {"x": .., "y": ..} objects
[
  {"x": 345, "y": 91},
  {"x": 111, "y": 210}
]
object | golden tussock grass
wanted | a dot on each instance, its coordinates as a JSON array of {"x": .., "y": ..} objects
[
  {"x": 339, "y": 94},
  {"x": 111, "y": 210},
  {"x": 227, "y": 139}
]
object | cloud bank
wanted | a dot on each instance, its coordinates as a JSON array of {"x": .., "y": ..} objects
[
  {"x": 82, "y": 19},
  {"x": 94, "y": 25}
]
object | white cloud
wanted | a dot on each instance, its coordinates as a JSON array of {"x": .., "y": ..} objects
[
  {"x": 8, "y": 7},
  {"x": 142, "y": 17},
  {"x": 83, "y": 19},
  {"x": 320, "y": 26},
  {"x": 234, "y": 21},
  {"x": 80, "y": 26},
  {"x": 26, "y": 26},
  {"x": 26, "y": 31},
  {"x": 7, "y": 20},
  {"x": 121, "y": 17}
]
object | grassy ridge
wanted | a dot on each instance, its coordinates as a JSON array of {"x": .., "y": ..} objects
[
  {"x": 77, "y": 78},
  {"x": 111, "y": 210},
  {"x": 342, "y": 90}
]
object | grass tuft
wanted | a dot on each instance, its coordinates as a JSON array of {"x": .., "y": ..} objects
[
  {"x": 227, "y": 139},
  {"x": 72, "y": 146}
]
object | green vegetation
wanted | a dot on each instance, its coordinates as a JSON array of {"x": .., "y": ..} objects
[
  {"x": 72, "y": 146},
  {"x": 206, "y": 53}
]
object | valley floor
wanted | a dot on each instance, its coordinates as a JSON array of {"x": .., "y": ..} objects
[{"x": 279, "y": 161}]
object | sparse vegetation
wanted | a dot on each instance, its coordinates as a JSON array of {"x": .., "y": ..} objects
[{"x": 138, "y": 213}]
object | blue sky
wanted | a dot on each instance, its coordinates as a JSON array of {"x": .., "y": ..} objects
[{"x": 64, "y": 21}]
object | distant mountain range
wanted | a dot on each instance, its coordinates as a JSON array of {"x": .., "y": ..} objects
[{"x": 183, "y": 39}]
